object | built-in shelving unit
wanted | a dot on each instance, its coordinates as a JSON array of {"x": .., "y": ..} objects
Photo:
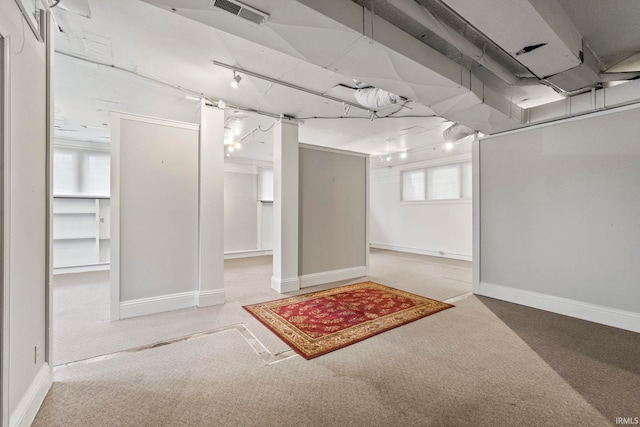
[{"x": 81, "y": 239}]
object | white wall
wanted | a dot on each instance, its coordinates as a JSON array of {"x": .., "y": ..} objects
[
  {"x": 438, "y": 228},
  {"x": 248, "y": 225},
  {"x": 558, "y": 220},
  {"x": 29, "y": 375},
  {"x": 240, "y": 210}
]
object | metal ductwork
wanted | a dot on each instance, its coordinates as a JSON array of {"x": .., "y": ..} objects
[
  {"x": 539, "y": 35},
  {"x": 375, "y": 99},
  {"x": 456, "y": 132},
  {"x": 536, "y": 33},
  {"x": 431, "y": 22}
]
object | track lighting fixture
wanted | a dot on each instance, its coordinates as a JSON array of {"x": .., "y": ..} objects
[{"x": 236, "y": 80}]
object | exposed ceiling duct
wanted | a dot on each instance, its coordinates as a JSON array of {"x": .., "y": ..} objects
[
  {"x": 537, "y": 33},
  {"x": 456, "y": 132},
  {"x": 539, "y": 36},
  {"x": 79, "y": 7},
  {"x": 418, "y": 12},
  {"x": 375, "y": 99}
]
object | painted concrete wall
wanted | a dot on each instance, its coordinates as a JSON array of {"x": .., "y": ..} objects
[{"x": 437, "y": 228}]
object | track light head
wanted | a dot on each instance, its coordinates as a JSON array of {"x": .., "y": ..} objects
[{"x": 236, "y": 80}]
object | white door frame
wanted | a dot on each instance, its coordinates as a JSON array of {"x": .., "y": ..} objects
[{"x": 5, "y": 48}]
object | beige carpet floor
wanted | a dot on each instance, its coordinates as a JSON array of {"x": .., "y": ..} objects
[{"x": 482, "y": 363}]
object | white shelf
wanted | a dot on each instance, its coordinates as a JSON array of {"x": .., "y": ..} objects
[
  {"x": 80, "y": 231},
  {"x": 75, "y": 213},
  {"x": 75, "y": 238},
  {"x": 80, "y": 196}
]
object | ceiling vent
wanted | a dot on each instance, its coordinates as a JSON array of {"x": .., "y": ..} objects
[{"x": 242, "y": 10}]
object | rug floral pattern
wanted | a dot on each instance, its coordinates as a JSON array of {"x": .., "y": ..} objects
[{"x": 320, "y": 322}]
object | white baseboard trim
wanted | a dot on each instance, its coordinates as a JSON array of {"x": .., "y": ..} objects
[
  {"x": 81, "y": 269},
  {"x": 144, "y": 306},
  {"x": 30, "y": 403},
  {"x": 314, "y": 279},
  {"x": 285, "y": 285},
  {"x": 247, "y": 254},
  {"x": 212, "y": 297},
  {"x": 420, "y": 251},
  {"x": 594, "y": 313}
]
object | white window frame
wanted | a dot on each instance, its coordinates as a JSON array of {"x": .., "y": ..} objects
[{"x": 426, "y": 200}]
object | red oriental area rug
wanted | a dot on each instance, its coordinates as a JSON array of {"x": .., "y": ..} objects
[{"x": 320, "y": 322}]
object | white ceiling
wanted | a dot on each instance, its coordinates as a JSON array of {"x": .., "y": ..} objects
[{"x": 132, "y": 56}]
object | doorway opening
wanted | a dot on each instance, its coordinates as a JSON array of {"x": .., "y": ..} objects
[{"x": 81, "y": 237}]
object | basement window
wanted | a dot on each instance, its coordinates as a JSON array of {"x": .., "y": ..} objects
[
  {"x": 413, "y": 185},
  {"x": 437, "y": 183}
]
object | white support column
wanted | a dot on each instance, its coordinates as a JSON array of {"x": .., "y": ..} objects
[
  {"x": 476, "y": 216},
  {"x": 211, "y": 214},
  {"x": 285, "y": 207}
]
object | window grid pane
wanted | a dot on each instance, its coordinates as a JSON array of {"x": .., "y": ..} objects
[
  {"x": 413, "y": 185},
  {"x": 443, "y": 182}
]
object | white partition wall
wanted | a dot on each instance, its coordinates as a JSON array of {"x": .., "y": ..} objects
[
  {"x": 154, "y": 213},
  {"x": 557, "y": 217},
  {"x": 333, "y": 215}
]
